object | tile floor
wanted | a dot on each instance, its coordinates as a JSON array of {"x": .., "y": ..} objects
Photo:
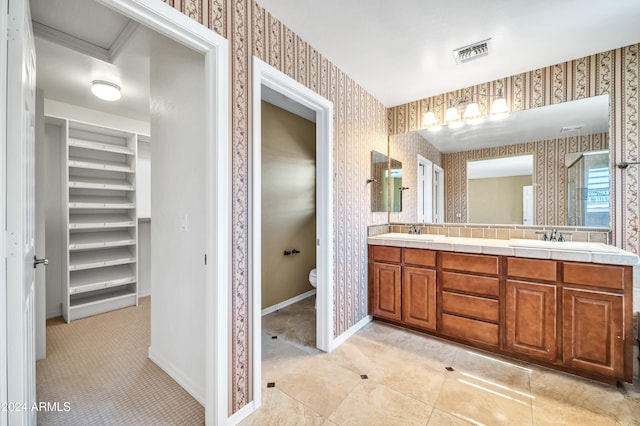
[{"x": 384, "y": 375}]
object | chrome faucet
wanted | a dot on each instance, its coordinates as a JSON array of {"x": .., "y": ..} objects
[
  {"x": 414, "y": 230},
  {"x": 556, "y": 236}
]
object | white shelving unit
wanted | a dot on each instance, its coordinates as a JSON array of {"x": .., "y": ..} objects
[{"x": 102, "y": 222}]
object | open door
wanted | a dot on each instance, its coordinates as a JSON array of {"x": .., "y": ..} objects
[{"x": 20, "y": 210}]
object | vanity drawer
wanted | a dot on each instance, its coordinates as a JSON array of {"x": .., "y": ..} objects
[
  {"x": 532, "y": 269},
  {"x": 485, "y": 286},
  {"x": 386, "y": 254},
  {"x": 477, "y": 263},
  {"x": 419, "y": 257},
  {"x": 470, "y": 330},
  {"x": 470, "y": 306},
  {"x": 587, "y": 274}
]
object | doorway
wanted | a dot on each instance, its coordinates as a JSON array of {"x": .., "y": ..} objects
[
  {"x": 266, "y": 76},
  {"x": 425, "y": 192},
  {"x": 213, "y": 48}
]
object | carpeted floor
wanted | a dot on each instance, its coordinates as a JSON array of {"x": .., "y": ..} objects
[{"x": 99, "y": 366}]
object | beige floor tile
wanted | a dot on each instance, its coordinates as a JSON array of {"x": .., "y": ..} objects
[
  {"x": 547, "y": 412},
  {"x": 384, "y": 333},
  {"x": 318, "y": 383},
  {"x": 438, "y": 352},
  {"x": 482, "y": 402},
  {"x": 374, "y": 404},
  {"x": 440, "y": 418},
  {"x": 412, "y": 375},
  {"x": 282, "y": 410},
  {"x": 294, "y": 323},
  {"x": 501, "y": 371},
  {"x": 280, "y": 358},
  {"x": 607, "y": 401},
  {"x": 361, "y": 356}
]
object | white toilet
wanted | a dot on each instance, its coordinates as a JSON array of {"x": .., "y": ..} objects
[{"x": 313, "y": 277}]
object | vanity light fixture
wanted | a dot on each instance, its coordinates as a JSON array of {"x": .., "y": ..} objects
[
  {"x": 106, "y": 90},
  {"x": 499, "y": 109},
  {"x": 472, "y": 113}
]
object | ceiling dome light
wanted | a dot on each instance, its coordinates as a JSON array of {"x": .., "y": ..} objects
[{"x": 105, "y": 90}]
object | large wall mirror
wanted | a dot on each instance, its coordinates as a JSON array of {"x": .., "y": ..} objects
[{"x": 486, "y": 166}]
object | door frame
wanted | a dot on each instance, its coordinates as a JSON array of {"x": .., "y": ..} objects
[
  {"x": 427, "y": 188},
  {"x": 439, "y": 193},
  {"x": 4, "y": 15},
  {"x": 168, "y": 21},
  {"x": 265, "y": 74}
]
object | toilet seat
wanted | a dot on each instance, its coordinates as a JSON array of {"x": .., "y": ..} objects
[{"x": 313, "y": 277}]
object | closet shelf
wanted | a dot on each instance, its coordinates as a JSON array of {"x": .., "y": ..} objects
[
  {"x": 102, "y": 239},
  {"x": 100, "y": 183},
  {"x": 100, "y": 146},
  {"x": 95, "y": 164},
  {"x": 86, "y": 304},
  {"x": 100, "y": 221},
  {"x": 90, "y": 280},
  {"x": 99, "y": 202},
  {"x": 81, "y": 260}
]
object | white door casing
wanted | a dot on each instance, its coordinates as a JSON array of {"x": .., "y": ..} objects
[
  {"x": 4, "y": 14},
  {"x": 20, "y": 193},
  {"x": 438, "y": 194},
  {"x": 425, "y": 190},
  {"x": 264, "y": 74},
  {"x": 527, "y": 205},
  {"x": 177, "y": 26}
]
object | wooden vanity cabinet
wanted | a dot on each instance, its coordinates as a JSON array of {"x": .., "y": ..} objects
[
  {"x": 572, "y": 316},
  {"x": 531, "y": 308},
  {"x": 385, "y": 288},
  {"x": 470, "y": 297},
  {"x": 419, "y": 288},
  {"x": 595, "y": 318}
]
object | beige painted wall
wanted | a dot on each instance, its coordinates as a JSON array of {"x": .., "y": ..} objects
[
  {"x": 497, "y": 200},
  {"x": 288, "y": 204}
]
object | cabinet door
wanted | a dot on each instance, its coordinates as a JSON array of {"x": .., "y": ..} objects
[
  {"x": 593, "y": 332},
  {"x": 531, "y": 319},
  {"x": 386, "y": 291},
  {"x": 419, "y": 297}
]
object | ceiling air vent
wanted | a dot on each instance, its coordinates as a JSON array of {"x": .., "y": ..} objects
[
  {"x": 567, "y": 129},
  {"x": 472, "y": 51}
]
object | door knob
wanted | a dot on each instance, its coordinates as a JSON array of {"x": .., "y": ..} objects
[{"x": 37, "y": 261}]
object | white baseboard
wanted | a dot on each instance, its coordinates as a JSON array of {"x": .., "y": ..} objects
[
  {"x": 288, "y": 302},
  {"x": 350, "y": 332},
  {"x": 242, "y": 414},
  {"x": 177, "y": 375},
  {"x": 144, "y": 294}
]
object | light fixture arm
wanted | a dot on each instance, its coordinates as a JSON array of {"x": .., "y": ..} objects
[{"x": 624, "y": 164}]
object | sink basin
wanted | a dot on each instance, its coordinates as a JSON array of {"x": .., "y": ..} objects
[
  {"x": 421, "y": 237},
  {"x": 566, "y": 245}
]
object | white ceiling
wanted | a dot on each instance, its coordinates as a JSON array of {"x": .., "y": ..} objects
[
  {"x": 401, "y": 51},
  {"x": 591, "y": 115},
  {"x": 65, "y": 74},
  {"x": 397, "y": 53}
]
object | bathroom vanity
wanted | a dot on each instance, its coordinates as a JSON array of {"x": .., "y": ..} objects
[{"x": 565, "y": 307}]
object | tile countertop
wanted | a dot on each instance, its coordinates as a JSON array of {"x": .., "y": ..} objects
[{"x": 583, "y": 252}]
